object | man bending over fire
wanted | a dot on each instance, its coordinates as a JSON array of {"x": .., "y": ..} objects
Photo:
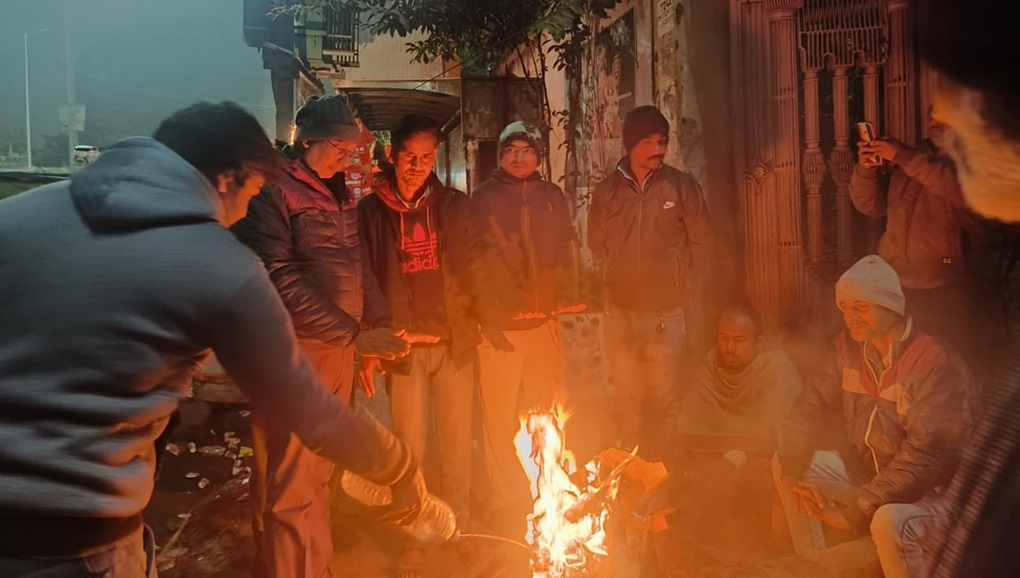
[{"x": 906, "y": 407}]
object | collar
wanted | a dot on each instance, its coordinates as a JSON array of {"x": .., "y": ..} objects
[
  {"x": 386, "y": 189},
  {"x": 623, "y": 167},
  {"x": 506, "y": 177},
  {"x": 872, "y": 354}
]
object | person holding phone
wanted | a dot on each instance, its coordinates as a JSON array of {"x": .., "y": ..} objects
[{"x": 916, "y": 190}]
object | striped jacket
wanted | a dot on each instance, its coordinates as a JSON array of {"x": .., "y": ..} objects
[{"x": 902, "y": 428}]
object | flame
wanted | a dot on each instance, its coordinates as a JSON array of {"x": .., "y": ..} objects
[{"x": 564, "y": 544}]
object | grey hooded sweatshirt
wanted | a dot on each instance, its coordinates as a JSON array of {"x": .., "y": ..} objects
[{"x": 112, "y": 286}]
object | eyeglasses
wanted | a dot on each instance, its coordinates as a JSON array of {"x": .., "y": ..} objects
[
  {"x": 520, "y": 153},
  {"x": 344, "y": 151}
]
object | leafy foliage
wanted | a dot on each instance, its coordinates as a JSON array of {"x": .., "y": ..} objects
[
  {"x": 481, "y": 34},
  {"x": 477, "y": 33}
]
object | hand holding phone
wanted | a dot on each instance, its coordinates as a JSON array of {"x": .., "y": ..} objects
[
  {"x": 866, "y": 130},
  {"x": 867, "y": 157}
]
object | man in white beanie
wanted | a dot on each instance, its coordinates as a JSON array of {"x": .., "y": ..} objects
[
  {"x": 906, "y": 407},
  {"x": 525, "y": 240}
]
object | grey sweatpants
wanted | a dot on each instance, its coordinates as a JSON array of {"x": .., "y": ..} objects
[
  {"x": 434, "y": 375},
  {"x": 898, "y": 530}
]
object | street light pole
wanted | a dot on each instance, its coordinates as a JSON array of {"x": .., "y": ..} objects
[
  {"x": 28, "y": 106},
  {"x": 72, "y": 130}
]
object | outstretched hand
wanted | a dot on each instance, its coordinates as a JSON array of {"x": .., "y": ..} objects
[
  {"x": 495, "y": 338},
  {"x": 381, "y": 342},
  {"x": 817, "y": 505},
  {"x": 366, "y": 374}
]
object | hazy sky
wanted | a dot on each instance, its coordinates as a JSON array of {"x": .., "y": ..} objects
[{"x": 135, "y": 60}]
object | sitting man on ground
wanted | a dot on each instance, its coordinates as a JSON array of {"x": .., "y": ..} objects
[
  {"x": 740, "y": 393},
  {"x": 739, "y": 396},
  {"x": 905, "y": 403}
]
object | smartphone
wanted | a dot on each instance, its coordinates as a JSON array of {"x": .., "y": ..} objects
[{"x": 866, "y": 130}]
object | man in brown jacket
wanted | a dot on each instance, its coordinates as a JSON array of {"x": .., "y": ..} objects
[
  {"x": 649, "y": 228},
  {"x": 916, "y": 189}
]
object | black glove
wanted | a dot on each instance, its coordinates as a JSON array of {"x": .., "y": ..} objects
[
  {"x": 409, "y": 493},
  {"x": 381, "y": 342}
]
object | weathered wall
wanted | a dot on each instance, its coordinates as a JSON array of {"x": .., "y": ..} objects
[
  {"x": 692, "y": 88},
  {"x": 457, "y": 160},
  {"x": 673, "y": 54},
  {"x": 526, "y": 62}
]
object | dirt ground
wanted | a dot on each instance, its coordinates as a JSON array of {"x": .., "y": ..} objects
[
  {"x": 200, "y": 512},
  {"x": 205, "y": 531}
]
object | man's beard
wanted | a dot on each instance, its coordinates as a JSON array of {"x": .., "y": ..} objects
[{"x": 987, "y": 163}]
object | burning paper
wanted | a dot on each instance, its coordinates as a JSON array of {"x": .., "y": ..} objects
[{"x": 567, "y": 524}]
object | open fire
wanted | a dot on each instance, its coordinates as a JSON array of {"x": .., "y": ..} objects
[{"x": 568, "y": 524}]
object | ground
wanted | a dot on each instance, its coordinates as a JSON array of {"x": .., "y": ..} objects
[
  {"x": 216, "y": 537},
  {"x": 204, "y": 531}
]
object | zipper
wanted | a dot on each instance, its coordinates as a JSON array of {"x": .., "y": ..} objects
[
  {"x": 878, "y": 390},
  {"x": 679, "y": 268},
  {"x": 867, "y": 434},
  {"x": 640, "y": 231},
  {"x": 529, "y": 243}
]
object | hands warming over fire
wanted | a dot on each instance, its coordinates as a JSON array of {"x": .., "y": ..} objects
[
  {"x": 494, "y": 337},
  {"x": 814, "y": 503},
  {"x": 382, "y": 342},
  {"x": 366, "y": 374}
]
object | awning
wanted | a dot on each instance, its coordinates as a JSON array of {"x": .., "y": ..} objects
[{"x": 382, "y": 107}]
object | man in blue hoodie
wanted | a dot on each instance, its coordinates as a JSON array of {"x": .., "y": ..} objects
[
  {"x": 114, "y": 284},
  {"x": 525, "y": 279}
]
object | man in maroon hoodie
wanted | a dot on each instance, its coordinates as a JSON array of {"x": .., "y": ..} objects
[{"x": 417, "y": 235}]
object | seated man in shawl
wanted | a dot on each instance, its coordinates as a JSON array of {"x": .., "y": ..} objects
[
  {"x": 739, "y": 394},
  {"x": 719, "y": 479}
]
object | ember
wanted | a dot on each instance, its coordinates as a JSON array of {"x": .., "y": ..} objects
[{"x": 567, "y": 525}]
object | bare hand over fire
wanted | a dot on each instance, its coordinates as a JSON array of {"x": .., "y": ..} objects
[
  {"x": 366, "y": 374},
  {"x": 382, "y": 342}
]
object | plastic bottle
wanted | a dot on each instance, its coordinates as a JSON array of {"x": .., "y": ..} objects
[{"x": 436, "y": 523}]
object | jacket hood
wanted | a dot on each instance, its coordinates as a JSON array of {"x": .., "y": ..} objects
[
  {"x": 385, "y": 187},
  {"x": 138, "y": 184}
]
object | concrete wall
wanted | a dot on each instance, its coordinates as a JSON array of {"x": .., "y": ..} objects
[
  {"x": 386, "y": 58},
  {"x": 526, "y": 63},
  {"x": 673, "y": 54}
]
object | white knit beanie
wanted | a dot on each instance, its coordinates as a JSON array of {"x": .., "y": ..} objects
[{"x": 872, "y": 280}]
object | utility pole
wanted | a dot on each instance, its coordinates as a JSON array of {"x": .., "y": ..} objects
[
  {"x": 28, "y": 105},
  {"x": 72, "y": 130}
]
